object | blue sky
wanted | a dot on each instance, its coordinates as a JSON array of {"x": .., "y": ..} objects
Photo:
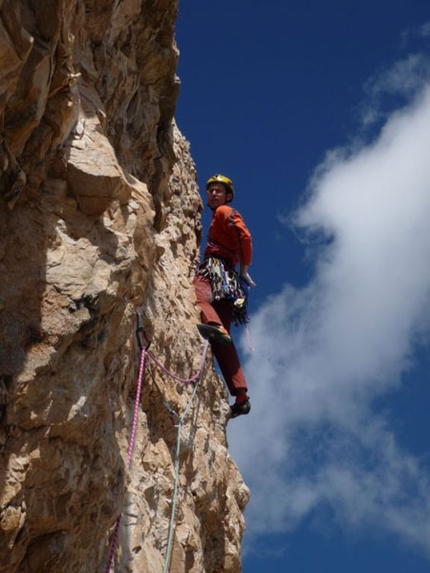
[{"x": 320, "y": 113}]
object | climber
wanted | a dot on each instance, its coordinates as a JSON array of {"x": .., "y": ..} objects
[{"x": 220, "y": 290}]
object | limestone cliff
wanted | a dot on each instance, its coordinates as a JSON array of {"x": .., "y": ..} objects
[{"x": 99, "y": 221}]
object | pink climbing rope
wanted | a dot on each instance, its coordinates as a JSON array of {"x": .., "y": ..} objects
[
  {"x": 177, "y": 378},
  {"x": 114, "y": 544},
  {"x": 131, "y": 443},
  {"x": 136, "y": 407},
  {"x": 145, "y": 351}
]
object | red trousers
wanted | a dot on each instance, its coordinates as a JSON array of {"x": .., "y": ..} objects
[{"x": 220, "y": 312}]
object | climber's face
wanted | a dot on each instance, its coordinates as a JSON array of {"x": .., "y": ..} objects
[{"x": 217, "y": 195}]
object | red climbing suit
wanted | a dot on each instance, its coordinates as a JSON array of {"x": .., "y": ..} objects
[
  {"x": 230, "y": 240},
  {"x": 228, "y": 237}
]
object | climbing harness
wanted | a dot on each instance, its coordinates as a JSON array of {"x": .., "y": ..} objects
[
  {"x": 195, "y": 379},
  {"x": 226, "y": 283}
]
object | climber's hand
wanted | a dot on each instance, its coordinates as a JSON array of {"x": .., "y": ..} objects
[{"x": 247, "y": 278}]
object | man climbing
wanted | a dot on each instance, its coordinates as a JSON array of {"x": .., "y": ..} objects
[{"x": 221, "y": 290}]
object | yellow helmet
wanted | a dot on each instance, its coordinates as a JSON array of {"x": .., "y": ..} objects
[{"x": 221, "y": 179}]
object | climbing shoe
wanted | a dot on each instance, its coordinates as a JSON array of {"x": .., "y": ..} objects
[
  {"x": 240, "y": 409},
  {"x": 214, "y": 333}
]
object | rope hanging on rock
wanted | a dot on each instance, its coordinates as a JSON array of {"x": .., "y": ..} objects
[
  {"x": 195, "y": 379},
  {"x": 177, "y": 461},
  {"x": 115, "y": 537}
]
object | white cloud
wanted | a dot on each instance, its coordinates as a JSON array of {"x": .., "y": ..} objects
[
  {"x": 324, "y": 353},
  {"x": 425, "y": 29},
  {"x": 404, "y": 77},
  {"x": 410, "y": 35},
  {"x": 402, "y": 80}
]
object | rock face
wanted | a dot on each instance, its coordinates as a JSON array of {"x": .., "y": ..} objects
[{"x": 99, "y": 221}]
